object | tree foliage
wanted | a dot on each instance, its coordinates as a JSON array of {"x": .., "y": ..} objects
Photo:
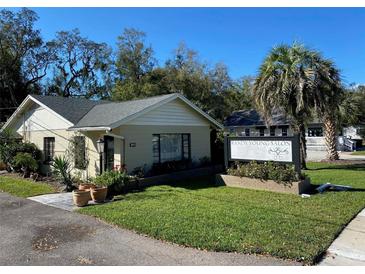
[
  {"x": 78, "y": 66},
  {"x": 24, "y": 58}
]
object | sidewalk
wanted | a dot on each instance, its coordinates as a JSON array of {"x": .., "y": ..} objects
[{"x": 349, "y": 248}]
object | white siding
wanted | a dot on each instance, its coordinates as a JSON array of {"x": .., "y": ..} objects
[
  {"x": 37, "y": 118},
  {"x": 175, "y": 112}
]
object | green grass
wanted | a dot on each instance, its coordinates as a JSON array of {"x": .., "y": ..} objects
[
  {"x": 23, "y": 188},
  {"x": 197, "y": 214},
  {"x": 360, "y": 152}
]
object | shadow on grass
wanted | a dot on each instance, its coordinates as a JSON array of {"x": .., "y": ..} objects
[{"x": 355, "y": 167}]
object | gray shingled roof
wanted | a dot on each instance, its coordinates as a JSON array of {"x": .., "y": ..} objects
[
  {"x": 251, "y": 117},
  {"x": 108, "y": 114},
  {"x": 73, "y": 109}
]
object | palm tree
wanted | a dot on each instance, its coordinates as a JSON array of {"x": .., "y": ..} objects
[
  {"x": 296, "y": 81},
  {"x": 286, "y": 82},
  {"x": 328, "y": 98}
]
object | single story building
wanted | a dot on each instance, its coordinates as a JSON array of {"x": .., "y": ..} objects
[
  {"x": 138, "y": 133},
  {"x": 251, "y": 123}
]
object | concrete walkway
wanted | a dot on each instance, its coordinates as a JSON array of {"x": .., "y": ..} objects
[
  {"x": 36, "y": 234},
  {"x": 317, "y": 156},
  {"x": 59, "y": 200},
  {"x": 349, "y": 247}
]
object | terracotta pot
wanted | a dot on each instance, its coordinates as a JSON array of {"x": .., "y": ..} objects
[
  {"x": 81, "y": 197},
  {"x": 86, "y": 186},
  {"x": 98, "y": 194}
]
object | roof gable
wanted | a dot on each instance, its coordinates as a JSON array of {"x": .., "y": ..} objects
[
  {"x": 174, "y": 112},
  {"x": 83, "y": 113},
  {"x": 115, "y": 114}
]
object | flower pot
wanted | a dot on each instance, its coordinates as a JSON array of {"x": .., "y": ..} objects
[
  {"x": 98, "y": 194},
  {"x": 86, "y": 186},
  {"x": 81, "y": 197}
]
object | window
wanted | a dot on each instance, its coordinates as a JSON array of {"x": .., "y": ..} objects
[
  {"x": 80, "y": 152},
  {"x": 272, "y": 131},
  {"x": 284, "y": 131},
  {"x": 262, "y": 131},
  {"x": 247, "y": 132},
  {"x": 48, "y": 149},
  {"x": 315, "y": 132},
  {"x": 171, "y": 147}
]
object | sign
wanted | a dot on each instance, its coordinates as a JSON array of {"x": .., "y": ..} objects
[
  {"x": 261, "y": 150},
  {"x": 284, "y": 149}
]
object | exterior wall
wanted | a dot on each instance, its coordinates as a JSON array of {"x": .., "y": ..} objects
[
  {"x": 141, "y": 154},
  {"x": 37, "y": 118},
  {"x": 353, "y": 132},
  {"x": 36, "y": 123},
  {"x": 173, "y": 113}
]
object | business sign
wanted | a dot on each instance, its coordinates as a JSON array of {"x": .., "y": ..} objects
[{"x": 261, "y": 150}]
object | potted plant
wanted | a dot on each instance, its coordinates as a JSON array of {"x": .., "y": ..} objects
[
  {"x": 81, "y": 197},
  {"x": 86, "y": 186},
  {"x": 115, "y": 181},
  {"x": 98, "y": 193}
]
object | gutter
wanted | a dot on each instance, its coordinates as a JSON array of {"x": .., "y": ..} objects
[{"x": 89, "y": 128}]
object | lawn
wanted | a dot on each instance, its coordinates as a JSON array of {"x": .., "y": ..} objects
[
  {"x": 200, "y": 215},
  {"x": 23, "y": 187},
  {"x": 360, "y": 152}
]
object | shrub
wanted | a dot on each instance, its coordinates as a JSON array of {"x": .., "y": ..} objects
[
  {"x": 31, "y": 149},
  {"x": 278, "y": 172},
  {"x": 205, "y": 161},
  {"x": 10, "y": 145},
  {"x": 116, "y": 181},
  {"x": 168, "y": 167},
  {"x": 62, "y": 169},
  {"x": 25, "y": 162}
]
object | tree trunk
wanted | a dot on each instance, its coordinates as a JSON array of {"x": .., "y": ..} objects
[{"x": 330, "y": 136}]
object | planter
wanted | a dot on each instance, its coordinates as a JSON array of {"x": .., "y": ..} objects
[
  {"x": 81, "y": 197},
  {"x": 270, "y": 185},
  {"x": 86, "y": 186},
  {"x": 98, "y": 194}
]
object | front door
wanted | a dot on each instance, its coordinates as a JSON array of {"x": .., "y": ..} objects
[{"x": 109, "y": 152}]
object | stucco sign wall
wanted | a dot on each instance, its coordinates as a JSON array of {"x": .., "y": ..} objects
[
  {"x": 283, "y": 149},
  {"x": 261, "y": 150}
]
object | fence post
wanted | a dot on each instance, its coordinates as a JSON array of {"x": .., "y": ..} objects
[
  {"x": 226, "y": 151},
  {"x": 296, "y": 153}
]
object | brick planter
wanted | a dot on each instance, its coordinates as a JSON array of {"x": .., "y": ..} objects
[{"x": 270, "y": 185}]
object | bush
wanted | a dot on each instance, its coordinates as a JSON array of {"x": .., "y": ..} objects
[
  {"x": 32, "y": 149},
  {"x": 116, "y": 181},
  {"x": 168, "y": 167},
  {"x": 278, "y": 172},
  {"x": 25, "y": 162},
  {"x": 11, "y": 145},
  {"x": 62, "y": 169}
]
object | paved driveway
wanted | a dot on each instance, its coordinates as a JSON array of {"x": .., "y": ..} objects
[{"x": 36, "y": 234}]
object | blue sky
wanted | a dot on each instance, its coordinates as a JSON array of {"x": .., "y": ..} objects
[{"x": 240, "y": 37}]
